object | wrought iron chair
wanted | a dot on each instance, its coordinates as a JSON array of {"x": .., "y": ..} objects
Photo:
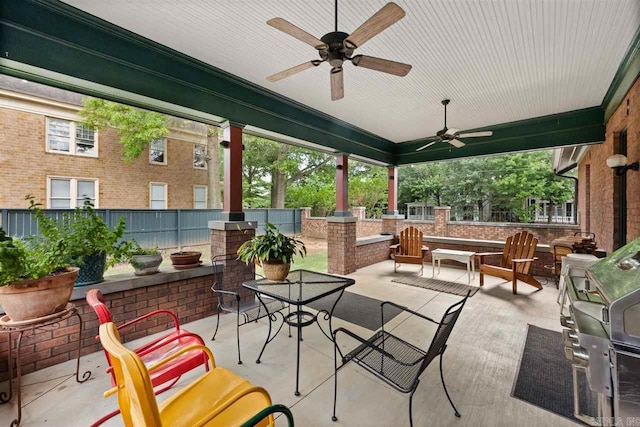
[
  {"x": 394, "y": 360},
  {"x": 219, "y": 397},
  {"x": 246, "y": 311},
  {"x": 155, "y": 350}
]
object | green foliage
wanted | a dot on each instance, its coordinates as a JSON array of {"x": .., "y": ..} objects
[
  {"x": 503, "y": 182},
  {"x": 137, "y": 127},
  {"x": 79, "y": 233},
  {"x": 271, "y": 246},
  {"x": 134, "y": 248}
]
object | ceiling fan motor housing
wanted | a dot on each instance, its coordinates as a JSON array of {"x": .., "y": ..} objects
[{"x": 337, "y": 52}]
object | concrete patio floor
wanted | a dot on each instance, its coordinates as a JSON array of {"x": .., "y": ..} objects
[{"x": 480, "y": 364}]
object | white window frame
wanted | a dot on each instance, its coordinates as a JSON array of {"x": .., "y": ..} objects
[
  {"x": 205, "y": 167},
  {"x": 206, "y": 195},
  {"x": 73, "y": 190},
  {"x": 72, "y": 139},
  {"x": 165, "y": 159},
  {"x": 166, "y": 194}
]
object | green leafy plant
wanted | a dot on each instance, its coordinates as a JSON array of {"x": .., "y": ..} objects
[
  {"x": 135, "y": 249},
  {"x": 271, "y": 246},
  {"x": 79, "y": 233},
  {"x": 27, "y": 260}
]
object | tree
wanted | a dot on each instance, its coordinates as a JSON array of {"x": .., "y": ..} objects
[{"x": 137, "y": 128}]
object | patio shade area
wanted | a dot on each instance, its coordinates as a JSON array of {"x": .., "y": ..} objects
[{"x": 480, "y": 364}]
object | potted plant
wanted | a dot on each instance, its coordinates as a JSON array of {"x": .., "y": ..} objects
[
  {"x": 273, "y": 250},
  {"x": 35, "y": 278},
  {"x": 84, "y": 240},
  {"x": 185, "y": 259},
  {"x": 144, "y": 261}
]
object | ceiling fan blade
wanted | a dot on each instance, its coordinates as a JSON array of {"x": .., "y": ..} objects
[
  {"x": 300, "y": 34},
  {"x": 293, "y": 70},
  {"x": 379, "y": 64},
  {"x": 337, "y": 84},
  {"x": 428, "y": 145},
  {"x": 380, "y": 21},
  {"x": 452, "y": 132},
  {"x": 456, "y": 143},
  {"x": 474, "y": 134}
]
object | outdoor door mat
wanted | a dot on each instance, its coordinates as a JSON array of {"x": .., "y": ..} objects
[
  {"x": 438, "y": 285},
  {"x": 545, "y": 377},
  {"x": 358, "y": 309}
]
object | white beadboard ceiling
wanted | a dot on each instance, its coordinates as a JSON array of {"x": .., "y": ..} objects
[{"x": 497, "y": 60}]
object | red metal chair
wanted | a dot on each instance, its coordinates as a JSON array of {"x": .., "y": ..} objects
[{"x": 155, "y": 350}]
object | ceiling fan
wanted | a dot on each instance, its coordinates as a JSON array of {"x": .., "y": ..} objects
[
  {"x": 452, "y": 135},
  {"x": 337, "y": 47}
]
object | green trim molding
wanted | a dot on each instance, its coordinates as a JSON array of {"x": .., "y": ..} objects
[
  {"x": 51, "y": 35},
  {"x": 584, "y": 126},
  {"x": 626, "y": 75}
]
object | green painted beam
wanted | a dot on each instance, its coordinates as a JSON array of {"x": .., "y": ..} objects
[
  {"x": 626, "y": 75},
  {"x": 584, "y": 126},
  {"x": 53, "y": 36}
]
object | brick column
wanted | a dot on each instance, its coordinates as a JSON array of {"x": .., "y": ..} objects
[
  {"x": 442, "y": 214},
  {"x": 226, "y": 238},
  {"x": 305, "y": 213},
  {"x": 392, "y": 224},
  {"x": 359, "y": 212},
  {"x": 341, "y": 244}
]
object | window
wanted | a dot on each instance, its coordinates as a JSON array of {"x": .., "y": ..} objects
[
  {"x": 200, "y": 156},
  {"x": 199, "y": 197},
  {"x": 158, "y": 151},
  {"x": 64, "y": 136},
  {"x": 157, "y": 195},
  {"x": 67, "y": 193}
]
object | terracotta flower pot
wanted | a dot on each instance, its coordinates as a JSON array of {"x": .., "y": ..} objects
[
  {"x": 185, "y": 259},
  {"x": 33, "y": 298},
  {"x": 276, "y": 270}
]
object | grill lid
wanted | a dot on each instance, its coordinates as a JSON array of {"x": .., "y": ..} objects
[{"x": 618, "y": 275}]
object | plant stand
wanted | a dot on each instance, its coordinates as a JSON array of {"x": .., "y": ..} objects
[{"x": 19, "y": 328}]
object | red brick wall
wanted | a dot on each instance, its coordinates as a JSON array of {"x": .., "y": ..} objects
[
  {"x": 190, "y": 299},
  {"x": 25, "y": 165},
  {"x": 601, "y": 212},
  {"x": 316, "y": 227},
  {"x": 368, "y": 227},
  {"x": 372, "y": 253},
  {"x": 341, "y": 246}
]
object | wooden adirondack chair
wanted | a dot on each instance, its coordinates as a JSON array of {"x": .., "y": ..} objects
[
  {"x": 515, "y": 263},
  {"x": 410, "y": 250}
]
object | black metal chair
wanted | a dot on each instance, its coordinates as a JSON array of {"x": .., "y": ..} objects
[
  {"x": 246, "y": 311},
  {"x": 394, "y": 360}
]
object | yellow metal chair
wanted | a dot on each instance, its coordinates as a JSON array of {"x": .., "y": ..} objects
[{"x": 217, "y": 398}]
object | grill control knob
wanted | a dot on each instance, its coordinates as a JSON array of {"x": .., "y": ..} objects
[
  {"x": 567, "y": 322},
  {"x": 581, "y": 357},
  {"x": 569, "y": 334}
]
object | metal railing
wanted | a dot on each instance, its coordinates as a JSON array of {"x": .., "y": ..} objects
[{"x": 164, "y": 228}]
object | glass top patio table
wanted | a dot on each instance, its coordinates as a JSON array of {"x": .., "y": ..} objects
[{"x": 300, "y": 287}]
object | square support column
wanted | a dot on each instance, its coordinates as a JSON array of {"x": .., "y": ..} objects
[
  {"x": 342, "y": 186},
  {"x": 226, "y": 238},
  {"x": 442, "y": 216},
  {"x": 232, "y": 206},
  {"x": 392, "y": 191},
  {"x": 341, "y": 244}
]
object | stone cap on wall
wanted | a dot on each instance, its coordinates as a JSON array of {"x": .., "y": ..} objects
[
  {"x": 232, "y": 225},
  {"x": 342, "y": 219},
  {"x": 367, "y": 240}
]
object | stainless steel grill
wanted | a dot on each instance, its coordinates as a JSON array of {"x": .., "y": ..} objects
[{"x": 602, "y": 338}]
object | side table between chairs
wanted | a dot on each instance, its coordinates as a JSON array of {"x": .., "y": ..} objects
[{"x": 45, "y": 323}]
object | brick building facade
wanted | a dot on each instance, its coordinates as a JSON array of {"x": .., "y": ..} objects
[
  {"x": 30, "y": 116},
  {"x": 599, "y": 188}
]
